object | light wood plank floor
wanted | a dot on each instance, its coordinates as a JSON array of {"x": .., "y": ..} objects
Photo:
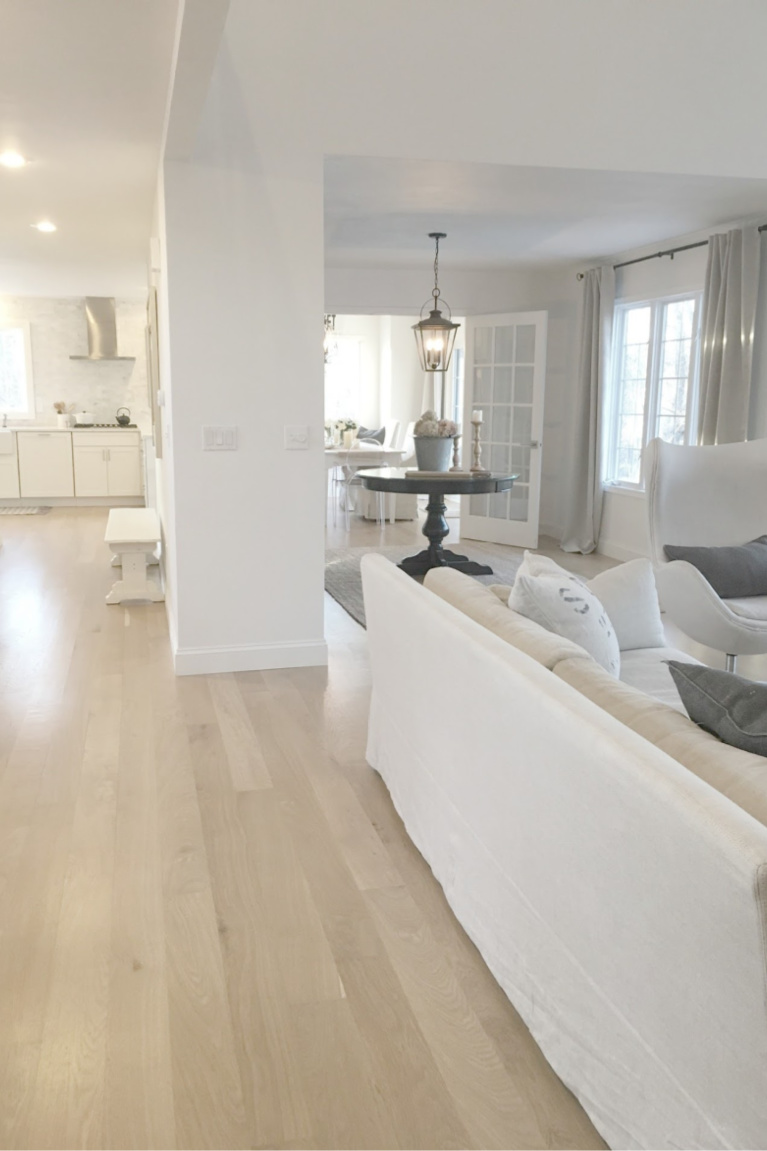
[{"x": 215, "y": 932}]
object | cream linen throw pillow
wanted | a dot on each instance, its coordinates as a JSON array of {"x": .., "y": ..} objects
[
  {"x": 558, "y": 601},
  {"x": 630, "y": 599}
]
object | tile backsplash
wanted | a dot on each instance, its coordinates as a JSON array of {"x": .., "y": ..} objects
[{"x": 58, "y": 331}]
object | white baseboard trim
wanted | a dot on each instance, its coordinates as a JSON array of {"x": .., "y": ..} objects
[
  {"x": 618, "y": 551},
  {"x": 259, "y": 657},
  {"x": 74, "y": 502}
]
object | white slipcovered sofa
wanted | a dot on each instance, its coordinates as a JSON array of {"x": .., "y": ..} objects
[{"x": 607, "y": 857}]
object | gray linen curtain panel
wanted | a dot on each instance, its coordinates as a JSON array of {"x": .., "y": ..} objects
[
  {"x": 583, "y": 510},
  {"x": 727, "y": 335}
]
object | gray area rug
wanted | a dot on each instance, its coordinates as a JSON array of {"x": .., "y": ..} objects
[{"x": 343, "y": 580}]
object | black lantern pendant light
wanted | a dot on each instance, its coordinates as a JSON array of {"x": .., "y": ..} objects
[{"x": 435, "y": 335}]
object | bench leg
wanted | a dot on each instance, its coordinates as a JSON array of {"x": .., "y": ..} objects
[
  {"x": 134, "y": 584},
  {"x": 152, "y": 558}
]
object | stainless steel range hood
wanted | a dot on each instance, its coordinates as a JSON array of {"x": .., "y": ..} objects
[{"x": 102, "y": 330}]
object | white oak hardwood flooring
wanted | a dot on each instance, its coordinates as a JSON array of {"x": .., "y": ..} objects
[{"x": 215, "y": 931}]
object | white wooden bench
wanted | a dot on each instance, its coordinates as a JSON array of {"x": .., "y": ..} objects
[{"x": 134, "y": 534}]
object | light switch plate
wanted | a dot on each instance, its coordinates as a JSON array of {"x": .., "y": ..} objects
[
  {"x": 219, "y": 439},
  {"x": 296, "y": 437}
]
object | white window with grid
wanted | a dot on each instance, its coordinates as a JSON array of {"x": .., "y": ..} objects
[
  {"x": 342, "y": 381},
  {"x": 16, "y": 392},
  {"x": 653, "y": 388}
]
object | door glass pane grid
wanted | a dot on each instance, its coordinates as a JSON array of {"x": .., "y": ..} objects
[
  {"x": 525, "y": 346},
  {"x": 507, "y": 426},
  {"x": 483, "y": 345},
  {"x": 498, "y": 506},
  {"x": 505, "y": 434},
  {"x": 519, "y": 499},
  {"x": 483, "y": 386},
  {"x": 523, "y": 384},
  {"x": 504, "y": 345}
]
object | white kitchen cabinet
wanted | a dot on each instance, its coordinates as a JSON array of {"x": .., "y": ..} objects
[
  {"x": 45, "y": 464},
  {"x": 9, "y": 475},
  {"x": 107, "y": 463},
  {"x": 124, "y": 470},
  {"x": 91, "y": 471}
]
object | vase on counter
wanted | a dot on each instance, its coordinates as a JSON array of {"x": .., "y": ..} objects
[
  {"x": 433, "y": 453},
  {"x": 63, "y": 420},
  {"x": 349, "y": 439}
]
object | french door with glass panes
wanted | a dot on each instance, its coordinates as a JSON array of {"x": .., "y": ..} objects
[{"x": 505, "y": 373}]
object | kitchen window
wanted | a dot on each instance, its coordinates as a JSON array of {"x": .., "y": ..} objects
[
  {"x": 16, "y": 392},
  {"x": 654, "y": 381}
]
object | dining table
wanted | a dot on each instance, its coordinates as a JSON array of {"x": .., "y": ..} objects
[{"x": 363, "y": 457}]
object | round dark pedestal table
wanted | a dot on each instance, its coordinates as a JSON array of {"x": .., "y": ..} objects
[{"x": 435, "y": 529}]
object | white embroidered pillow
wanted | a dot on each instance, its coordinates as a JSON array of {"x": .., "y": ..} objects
[{"x": 560, "y": 602}]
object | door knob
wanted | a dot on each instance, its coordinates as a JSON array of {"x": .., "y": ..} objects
[{"x": 535, "y": 444}]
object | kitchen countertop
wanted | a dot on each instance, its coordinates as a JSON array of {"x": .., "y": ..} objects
[{"x": 56, "y": 428}]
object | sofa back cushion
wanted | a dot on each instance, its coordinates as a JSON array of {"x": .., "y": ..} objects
[
  {"x": 481, "y": 605},
  {"x": 739, "y": 775}
]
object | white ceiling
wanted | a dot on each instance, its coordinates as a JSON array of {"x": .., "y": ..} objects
[
  {"x": 378, "y": 211},
  {"x": 83, "y": 90}
]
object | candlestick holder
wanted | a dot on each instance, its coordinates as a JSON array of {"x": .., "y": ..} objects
[
  {"x": 456, "y": 466},
  {"x": 476, "y": 448}
]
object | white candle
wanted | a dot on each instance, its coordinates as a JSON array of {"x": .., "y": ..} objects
[{"x": 476, "y": 416}]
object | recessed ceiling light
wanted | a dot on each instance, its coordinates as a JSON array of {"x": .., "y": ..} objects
[
  {"x": 44, "y": 226},
  {"x": 12, "y": 160}
]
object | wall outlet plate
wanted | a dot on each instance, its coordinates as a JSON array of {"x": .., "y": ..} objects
[{"x": 296, "y": 437}]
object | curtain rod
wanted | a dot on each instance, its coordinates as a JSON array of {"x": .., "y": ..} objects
[{"x": 669, "y": 252}]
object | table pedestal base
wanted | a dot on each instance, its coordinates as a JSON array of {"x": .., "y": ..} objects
[
  {"x": 435, "y": 556},
  {"x": 419, "y": 565}
]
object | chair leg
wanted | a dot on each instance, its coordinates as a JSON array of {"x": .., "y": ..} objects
[{"x": 730, "y": 662}]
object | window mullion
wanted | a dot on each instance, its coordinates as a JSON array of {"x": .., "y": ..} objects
[
  {"x": 653, "y": 366},
  {"x": 615, "y": 395},
  {"x": 691, "y": 417}
]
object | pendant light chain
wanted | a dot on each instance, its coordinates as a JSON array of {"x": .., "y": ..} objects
[{"x": 435, "y": 292}]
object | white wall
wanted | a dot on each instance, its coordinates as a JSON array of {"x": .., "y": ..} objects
[
  {"x": 58, "y": 331},
  {"x": 248, "y": 525}
]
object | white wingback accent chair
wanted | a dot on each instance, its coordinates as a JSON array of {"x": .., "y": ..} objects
[{"x": 709, "y": 497}]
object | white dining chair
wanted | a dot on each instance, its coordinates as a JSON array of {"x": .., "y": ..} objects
[
  {"x": 392, "y": 434},
  {"x": 352, "y": 481}
]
